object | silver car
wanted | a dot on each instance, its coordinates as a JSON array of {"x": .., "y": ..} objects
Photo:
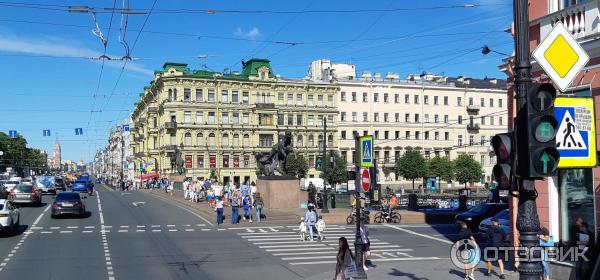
[{"x": 26, "y": 193}]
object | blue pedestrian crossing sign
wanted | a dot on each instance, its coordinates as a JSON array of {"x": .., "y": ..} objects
[
  {"x": 366, "y": 151},
  {"x": 576, "y": 135}
]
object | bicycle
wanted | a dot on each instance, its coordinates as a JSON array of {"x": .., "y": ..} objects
[
  {"x": 351, "y": 219},
  {"x": 384, "y": 216}
]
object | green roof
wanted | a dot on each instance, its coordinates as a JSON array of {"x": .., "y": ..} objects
[
  {"x": 141, "y": 94},
  {"x": 251, "y": 67},
  {"x": 180, "y": 67}
]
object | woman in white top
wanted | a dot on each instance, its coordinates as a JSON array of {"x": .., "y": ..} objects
[{"x": 219, "y": 205}]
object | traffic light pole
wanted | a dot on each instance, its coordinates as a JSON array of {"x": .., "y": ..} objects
[
  {"x": 357, "y": 184},
  {"x": 528, "y": 222}
]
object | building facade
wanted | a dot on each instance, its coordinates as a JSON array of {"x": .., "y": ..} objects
[
  {"x": 215, "y": 122},
  {"x": 55, "y": 161},
  {"x": 439, "y": 116}
]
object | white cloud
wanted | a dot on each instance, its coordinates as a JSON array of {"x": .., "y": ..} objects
[
  {"x": 60, "y": 47},
  {"x": 252, "y": 34}
]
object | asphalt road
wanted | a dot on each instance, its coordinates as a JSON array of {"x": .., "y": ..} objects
[{"x": 135, "y": 235}]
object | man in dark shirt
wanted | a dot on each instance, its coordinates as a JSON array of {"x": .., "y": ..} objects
[
  {"x": 466, "y": 234},
  {"x": 496, "y": 238},
  {"x": 3, "y": 193}
]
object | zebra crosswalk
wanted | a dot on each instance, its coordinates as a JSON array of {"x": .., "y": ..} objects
[{"x": 286, "y": 244}]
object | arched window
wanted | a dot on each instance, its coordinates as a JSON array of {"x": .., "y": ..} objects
[
  {"x": 170, "y": 95},
  {"x": 320, "y": 141},
  {"x": 200, "y": 139},
  {"x": 211, "y": 139},
  {"x": 246, "y": 140},
  {"x": 175, "y": 94},
  {"x": 225, "y": 140},
  {"x": 187, "y": 140},
  {"x": 300, "y": 141},
  {"x": 236, "y": 140},
  {"x": 311, "y": 141},
  {"x": 330, "y": 140}
]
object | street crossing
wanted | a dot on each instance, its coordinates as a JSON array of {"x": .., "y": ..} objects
[{"x": 286, "y": 244}]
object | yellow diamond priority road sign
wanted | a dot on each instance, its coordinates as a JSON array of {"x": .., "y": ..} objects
[{"x": 560, "y": 56}]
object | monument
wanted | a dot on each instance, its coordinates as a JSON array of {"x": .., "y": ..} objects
[{"x": 278, "y": 189}]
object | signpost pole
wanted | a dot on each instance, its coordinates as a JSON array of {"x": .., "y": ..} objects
[
  {"x": 325, "y": 161},
  {"x": 357, "y": 184},
  {"x": 528, "y": 222}
]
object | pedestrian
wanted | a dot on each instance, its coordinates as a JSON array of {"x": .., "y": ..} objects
[
  {"x": 466, "y": 234},
  {"x": 245, "y": 190},
  {"x": 546, "y": 241},
  {"x": 3, "y": 193},
  {"x": 366, "y": 243},
  {"x": 170, "y": 186},
  {"x": 258, "y": 205},
  {"x": 235, "y": 204},
  {"x": 344, "y": 259},
  {"x": 586, "y": 242},
  {"x": 302, "y": 229},
  {"x": 312, "y": 192},
  {"x": 219, "y": 206},
  {"x": 253, "y": 189},
  {"x": 247, "y": 204},
  {"x": 496, "y": 238},
  {"x": 311, "y": 219},
  {"x": 321, "y": 228}
]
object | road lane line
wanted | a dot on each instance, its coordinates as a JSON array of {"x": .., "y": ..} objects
[
  {"x": 87, "y": 231},
  {"x": 90, "y": 227},
  {"x": 419, "y": 234},
  {"x": 66, "y": 231},
  {"x": 109, "y": 268},
  {"x": 156, "y": 230}
]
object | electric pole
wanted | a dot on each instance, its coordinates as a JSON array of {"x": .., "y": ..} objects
[{"x": 324, "y": 161}]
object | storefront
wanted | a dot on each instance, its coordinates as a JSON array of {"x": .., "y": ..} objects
[{"x": 576, "y": 200}]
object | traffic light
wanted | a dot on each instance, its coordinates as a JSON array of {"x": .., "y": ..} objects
[
  {"x": 502, "y": 144},
  {"x": 537, "y": 156}
]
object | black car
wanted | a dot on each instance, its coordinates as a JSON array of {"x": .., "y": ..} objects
[
  {"x": 479, "y": 213},
  {"x": 60, "y": 184},
  {"x": 67, "y": 203}
]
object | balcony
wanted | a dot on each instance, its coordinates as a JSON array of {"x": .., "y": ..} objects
[
  {"x": 169, "y": 148},
  {"x": 473, "y": 126},
  {"x": 262, "y": 106},
  {"x": 153, "y": 110},
  {"x": 170, "y": 126},
  {"x": 473, "y": 108},
  {"x": 581, "y": 20}
]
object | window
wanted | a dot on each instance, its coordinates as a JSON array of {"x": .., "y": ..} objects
[
  {"x": 224, "y": 96},
  {"x": 343, "y": 134},
  {"x": 397, "y": 134},
  {"x": 343, "y": 96},
  {"x": 265, "y": 140},
  {"x": 311, "y": 120},
  {"x": 460, "y": 120},
  {"x": 446, "y": 100},
  {"x": 445, "y": 118},
  {"x": 200, "y": 161},
  {"x": 397, "y": 117},
  {"x": 211, "y": 95},
  {"x": 375, "y": 97},
  {"x": 446, "y": 136},
  {"x": 298, "y": 99},
  {"x": 187, "y": 94},
  {"x": 416, "y": 118},
  {"x": 311, "y": 141},
  {"x": 353, "y": 96},
  {"x": 435, "y": 100},
  {"x": 300, "y": 141},
  {"x": 460, "y": 140},
  {"x": 385, "y": 117},
  {"x": 234, "y": 97},
  {"x": 417, "y": 135},
  {"x": 471, "y": 140},
  {"x": 386, "y": 134},
  {"x": 224, "y": 118},
  {"x": 187, "y": 139},
  {"x": 416, "y": 99},
  {"x": 226, "y": 160},
  {"x": 491, "y": 102},
  {"x": 426, "y": 100},
  {"x": 500, "y": 121},
  {"x": 199, "y": 95},
  {"x": 246, "y": 118},
  {"x": 483, "y": 120},
  {"x": 426, "y": 135},
  {"x": 470, "y": 101},
  {"x": 175, "y": 94},
  {"x": 280, "y": 97},
  {"x": 436, "y": 136},
  {"x": 406, "y": 118},
  {"x": 246, "y": 140},
  {"x": 396, "y": 98},
  {"x": 299, "y": 119},
  {"x": 354, "y": 116},
  {"x": 459, "y": 101},
  {"x": 436, "y": 118},
  {"x": 376, "y": 134},
  {"x": 211, "y": 139},
  {"x": 492, "y": 120},
  {"x": 500, "y": 103},
  {"x": 482, "y": 140},
  {"x": 330, "y": 100},
  {"x": 426, "y": 118},
  {"x": 407, "y": 135},
  {"x": 245, "y": 97},
  {"x": 200, "y": 139},
  {"x": 482, "y": 159},
  {"x": 375, "y": 117},
  {"x": 311, "y": 100},
  {"x": 406, "y": 99},
  {"x": 343, "y": 116},
  {"x": 576, "y": 200},
  {"x": 235, "y": 118},
  {"x": 225, "y": 140},
  {"x": 386, "y": 98},
  {"x": 236, "y": 140},
  {"x": 187, "y": 117},
  {"x": 290, "y": 119},
  {"x": 319, "y": 100},
  {"x": 211, "y": 117},
  {"x": 290, "y": 99},
  {"x": 365, "y": 97},
  {"x": 330, "y": 140},
  {"x": 482, "y": 102},
  {"x": 365, "y": 117},
  {"x": 280, "y": 119}
]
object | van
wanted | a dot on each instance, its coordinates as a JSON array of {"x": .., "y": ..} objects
[{"x": 317, "y": 182}]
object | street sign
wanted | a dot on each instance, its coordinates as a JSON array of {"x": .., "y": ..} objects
[
  {"x": 576, "y": 135},
  {"x": 366, "y": 151},
  {"x": 365, "y": 180},
  {"x": 560, "y": 56},
  {"x": 12, "y": 133}
]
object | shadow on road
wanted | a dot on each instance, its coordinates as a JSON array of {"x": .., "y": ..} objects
[
  {"x": 412, "y": 276},
  {"x": 20, "y": 230}
]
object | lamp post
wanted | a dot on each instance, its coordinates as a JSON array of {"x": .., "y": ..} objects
[{"x": 323, "y": 161}]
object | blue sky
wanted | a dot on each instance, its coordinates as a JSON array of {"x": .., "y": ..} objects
[{"x": 49, "y": 82}]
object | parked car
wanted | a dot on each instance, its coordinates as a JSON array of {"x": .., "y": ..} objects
[
  {"x": 60, "y": 184},
  {"x": 26, "y": 193},
  {"x": 503, "y": 221},
  {"x": 79, "y": 186},
  {"x": 475, "y": 215},
  {"x": 67, "y": 203},
  {"x": 10, "y": 216}
]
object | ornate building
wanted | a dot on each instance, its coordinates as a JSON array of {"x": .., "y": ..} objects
[{"x": 56, "y": 159}]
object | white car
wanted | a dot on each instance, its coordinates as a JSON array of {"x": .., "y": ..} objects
[
  {"x": 11, "y": 184},
  {"x": 9, "y": 216}
]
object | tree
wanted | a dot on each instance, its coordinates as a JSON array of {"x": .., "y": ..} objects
[
  {"x": 467, "y": 169},
  {"x": 441, "y": 167},
  {"x": 335, "y": 174},
  {"x": 296, "y": 165},
  {"x": 411, "y": 165},
  {"x": 213, "y": 174},
  {"x": 16, "y": 154}
]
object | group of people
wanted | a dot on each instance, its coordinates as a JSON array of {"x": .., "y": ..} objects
[{"x": 312, "y": 223}]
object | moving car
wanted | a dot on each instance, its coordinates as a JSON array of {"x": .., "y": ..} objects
[
  {"x": 475, "y": 215},
  {"x": 11, "y": 184},
  {"x": 10, "y": 216},
  {"x": 60, "y": 184},
  {"x": 26, "y": 193},
  {"x": 79, "y": 186},
  {"x": 67, "y": 203},
  {"x": 45, "y": 184},
  {"x": 503, "y": 221}
]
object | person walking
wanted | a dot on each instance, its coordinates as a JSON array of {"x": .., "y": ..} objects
[
  {"x": 247, "y": 204},
  {"x": 235, "y": 204},
  {"x": 466, "y": 234},
  {"x": 496, "y": 238},
  {"x": 546, "y": 241},
  {"x": 364, "y": 239},
  {"x": 311, "y": 218},
  {"x": 312, "y": 192},
  {"x": 220, "y": 204},
  {"x": 344, "y": 258},
  {"x": 258, "y": 205}
]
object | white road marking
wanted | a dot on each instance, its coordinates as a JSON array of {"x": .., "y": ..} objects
[
  {"x": 140, "y": 226},
  {"x": 170, "y": 225},
  {"x": 103, "y": 232},
  {"x": 420, "y": 234},
  {"x": 124, "y": 226},
  {"x": 54, "y": 227},
  {"x": 123, "y": 230},
  {"x": 378, "y": 260},
  {"x": 140, "y": 230},
  {"x": 156, "y": 230},
  {"x": 90, "y": 227},
  {"x": 87, "y": 231},
  {"x": 72, "y": 227},
  {"x": 66, "y": 231},
  {"x": 155, "y": 225},
  {"x": 189, "y": 229},
  {"x": 205, "y": 229},
  {"x": 173, "y": 230}
]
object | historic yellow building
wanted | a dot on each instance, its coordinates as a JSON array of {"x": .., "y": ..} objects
[{"x": 219, "y": 121}]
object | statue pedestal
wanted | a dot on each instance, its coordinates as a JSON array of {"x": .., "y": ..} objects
[{"x": 280, "y": 193}]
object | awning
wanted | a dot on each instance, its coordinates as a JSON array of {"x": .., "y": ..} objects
[{"x": 148, "y": 176}]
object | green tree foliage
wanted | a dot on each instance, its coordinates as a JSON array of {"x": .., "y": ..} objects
[
  {"x": 16, "y": 154},
  {"x": 441, "y": 167},
  {"x": 296, "y": 165},
  {"x": 467, "y": 169},
  {"x": 335, "y": 174},
  {"x": 412, "y": 165}
]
